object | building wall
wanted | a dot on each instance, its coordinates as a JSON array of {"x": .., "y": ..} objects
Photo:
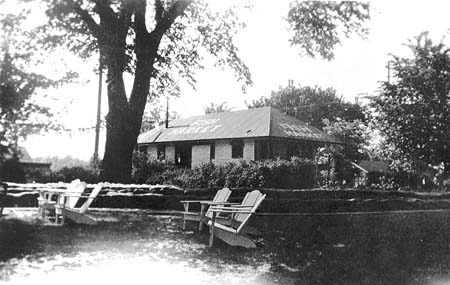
[
  {"x": 279, "y": 150},
  {"x": 152, "y": 152},
  {"x": 249, "y": 150},
  {"x": 223, "y": 152},
  {"x": 201, "y": 154},
  {"x": 170, "y": 153}
]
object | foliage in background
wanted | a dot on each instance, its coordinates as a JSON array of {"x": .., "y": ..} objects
[
  {"x": 155, "y": 114},
  {"x": 63, "y": 162},
  {"x": 20, "y": 113},
  {"x": 318, "y": 26},
  {"x": 311, "y": 105},
  {"x": 413, "y": 111},
  {"x": 338, "y": 159},
  {"x": 296, "y": 173},
  {"x": 217, "y": 108}
]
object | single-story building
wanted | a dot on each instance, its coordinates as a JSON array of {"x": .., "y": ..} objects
[
  {"x": 253, "y": 134},
  {"x": 26, "y": 169}
]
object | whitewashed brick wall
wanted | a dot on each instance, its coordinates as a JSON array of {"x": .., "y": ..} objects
[
  {"x": 249, "y": 150},
  {"x": 200, "y": 154},
  {"x": 152, "y": 152},
  {"x": 170, "y": 153}
]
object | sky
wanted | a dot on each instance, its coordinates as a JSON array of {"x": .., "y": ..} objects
[{"x": 358, "y": 67}]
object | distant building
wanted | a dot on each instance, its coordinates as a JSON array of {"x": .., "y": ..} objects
[
  {"x": 31, "y": 167},
  {"x": 254, "y": 134},
  {"x": 26, "y": 169},
  {"x": 365, "y": 167}
]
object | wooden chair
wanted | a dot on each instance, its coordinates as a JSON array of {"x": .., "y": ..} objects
[
  {"x": 233, "y": 233},
  {"x": 65, "y": 207},
  {"x": 220, "y": 198},
  {"x": 45, "y": 199}
]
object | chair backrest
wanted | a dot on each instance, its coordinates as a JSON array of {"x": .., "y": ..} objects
[
  {"x": 74, "y": 192},
  {"x": 91, "y": 198},
  {"x": 253, "y": 200},
  {"x": 222, "y": 195}
]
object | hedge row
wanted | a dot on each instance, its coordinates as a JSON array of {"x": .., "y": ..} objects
[{"x": 295, "y": 173}]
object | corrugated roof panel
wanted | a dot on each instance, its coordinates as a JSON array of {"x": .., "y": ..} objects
[
  {"x": 226, "y": 125},
  {"x": 258, "y": 122},
  {"x": 289, "y": 127}
]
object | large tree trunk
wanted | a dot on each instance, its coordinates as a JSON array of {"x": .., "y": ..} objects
[
  {"x": 123, "y": 123},
  {"x": 120, "y": 141}
]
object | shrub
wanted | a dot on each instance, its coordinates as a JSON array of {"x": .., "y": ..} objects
[
  {"x": 296, "y": 173},
  {"x": 12, "y": 171},
  {"x": 68, "y": 174}
]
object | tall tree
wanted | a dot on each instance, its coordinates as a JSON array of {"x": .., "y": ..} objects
[
  {"x": 164, "y": 40},
  {"x": 413, "y": 111},
  {"x": 311, "y": 105}
]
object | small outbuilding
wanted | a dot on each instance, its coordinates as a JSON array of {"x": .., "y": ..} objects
[{"x": 253, "y": 134}]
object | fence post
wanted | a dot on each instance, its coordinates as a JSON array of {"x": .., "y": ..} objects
[{"x": 3, "y": 190}]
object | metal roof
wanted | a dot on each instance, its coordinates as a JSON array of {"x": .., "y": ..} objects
[{"x": 251, "y": 123}]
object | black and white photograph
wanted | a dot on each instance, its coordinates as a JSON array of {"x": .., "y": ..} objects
[{"x": 224, "y": 142}]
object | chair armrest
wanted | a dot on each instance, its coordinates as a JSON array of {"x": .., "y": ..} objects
[
  {"x": 230, "y": 210},
  {"x": 193, "y": 201},
  {"x": 213, "y": 203}
]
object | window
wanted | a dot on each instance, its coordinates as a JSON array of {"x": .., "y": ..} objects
[
  {"x": 237, "y": 149},
  {"x": 212, "y": 151},
  {"x": 143, "y": 149},
  {"x": 161, "y": 152}
]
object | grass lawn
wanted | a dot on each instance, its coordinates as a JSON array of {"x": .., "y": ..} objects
[{"x": 136, "y": 246}]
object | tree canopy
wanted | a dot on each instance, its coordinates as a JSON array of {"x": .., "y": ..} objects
[
  {"x": 311, "y": 105},
  {"x": 318, "y": 26},
  {"x": 413, "y": 111}
]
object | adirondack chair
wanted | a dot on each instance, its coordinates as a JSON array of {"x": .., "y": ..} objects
[
  {"x": 233, "y": 233},
  {"x": 65, "y": 208},
  {"x": 46, "y": 193},
  {"x": 220, "y": 198}
]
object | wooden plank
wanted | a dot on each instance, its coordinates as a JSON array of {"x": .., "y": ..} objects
[
  {"x": 233, "y": 238},
  {"x": 79, "y": 218}
]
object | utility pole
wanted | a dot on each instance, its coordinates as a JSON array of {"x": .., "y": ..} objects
[
  {"x": 99, "y": 103},
  {"x": 167, "y": 112}
]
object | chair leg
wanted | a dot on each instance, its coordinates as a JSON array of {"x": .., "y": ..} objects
[
  {"x": 202, "y": 216},
  {"x": 186, "y": 209},
  {"x": 211, "y": 230}
]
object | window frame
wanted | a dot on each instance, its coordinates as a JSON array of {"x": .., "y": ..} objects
[
  {"x": 161, "y": 152},
  {"x": 212, "y": 151},
  {"x": 237, "y": 149}
]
